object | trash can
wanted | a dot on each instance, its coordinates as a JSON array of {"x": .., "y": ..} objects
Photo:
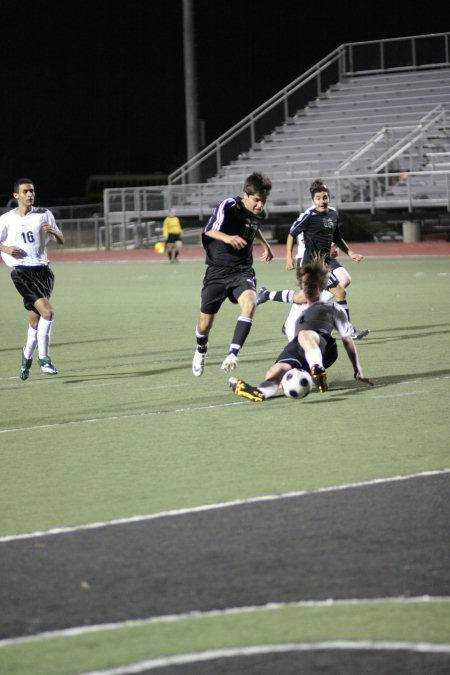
[{"x": 411, "y": 232}]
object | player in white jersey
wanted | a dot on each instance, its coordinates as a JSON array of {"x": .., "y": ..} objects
[
  {"x": 314, "y": 349},
  {"x": 25, "y": 232}
]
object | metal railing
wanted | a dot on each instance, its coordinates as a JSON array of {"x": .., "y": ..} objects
[
  {"x": 367, "y": 191},
  {"x": 364, "y": 191},
  {"x": 394, "y": 146},
  {"x": 362, "y": 58}
]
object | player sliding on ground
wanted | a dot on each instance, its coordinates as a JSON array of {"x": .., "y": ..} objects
[{"x": 314, "y": 349}]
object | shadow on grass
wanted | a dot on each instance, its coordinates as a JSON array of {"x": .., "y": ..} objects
[
  {"x": 344, "y": 388},
  {"x": 388, "y": 380},
  {"x": 382, "y": 339}
]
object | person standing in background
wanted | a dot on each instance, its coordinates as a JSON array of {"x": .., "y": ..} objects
[{"x": 172, "y": 233}]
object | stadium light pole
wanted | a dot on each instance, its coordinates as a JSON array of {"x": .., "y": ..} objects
[{"x": 190, "y": 89}]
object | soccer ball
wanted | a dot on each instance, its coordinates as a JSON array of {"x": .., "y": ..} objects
[{"x": 296, "y": 383}]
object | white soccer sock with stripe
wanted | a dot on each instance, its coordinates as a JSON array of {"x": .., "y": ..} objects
[{"x": 282, "y": 296}]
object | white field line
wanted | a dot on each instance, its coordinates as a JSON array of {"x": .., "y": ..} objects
[
  {"x": 143, "y": 413},
  {"x": 406, "y": 393},
  {"x": 217, "y": 613},
  {"x": 189, "y": 409},
  {"x": 220, "y": 505},
  {"x": 257, "y": 650}
]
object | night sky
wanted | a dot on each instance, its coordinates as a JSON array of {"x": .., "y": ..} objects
[{"x": 89, "y": 88}]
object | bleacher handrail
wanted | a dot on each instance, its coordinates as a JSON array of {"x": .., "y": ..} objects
[
  {"x": 344, "y": 57},
  {"x": 249, "y": 121},
  {"x": 414, "y": 132},
  {"x": 365, "y": 191},
  {"x": 405, "y": 143}
]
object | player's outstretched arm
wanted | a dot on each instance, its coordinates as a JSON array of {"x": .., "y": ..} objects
[
  {"x": 357, "y": 257},
  {"x": 352, "y": 354}
]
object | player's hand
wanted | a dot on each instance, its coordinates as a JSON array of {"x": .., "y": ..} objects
[
  {"x": 267, "y": 256},
  {"x": 17, "y": 252},
  {"x": 237, "y": 242},
  {"x": 357, "y": 257},
  {"x": 290, "y": 264},
  {"x": 360, "y": 378}
]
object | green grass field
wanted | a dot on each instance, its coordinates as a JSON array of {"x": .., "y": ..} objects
[{"x": 126, "y": 430}]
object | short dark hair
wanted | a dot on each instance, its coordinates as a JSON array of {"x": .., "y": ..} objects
[
  {"x": 313, "y": 275},
  {"x": 318, "y": 186},
  {"x": 257, "y": 183},
  {"x": 21, "y": 181}
]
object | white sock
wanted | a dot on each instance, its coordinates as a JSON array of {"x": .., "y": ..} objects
[
  {"x": 314, "y": 357},
  {"x": 30, "y": 346},
  {"x": 326, "y": 295},
  {"x": 44, "y": 331},
  {"x": 269, "y": 390}
]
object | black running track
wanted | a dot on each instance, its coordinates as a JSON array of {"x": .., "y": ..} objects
[{"x": 381, "y": 540}]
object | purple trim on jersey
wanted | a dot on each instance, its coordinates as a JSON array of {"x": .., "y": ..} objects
[{"x": 217, "y": 218}]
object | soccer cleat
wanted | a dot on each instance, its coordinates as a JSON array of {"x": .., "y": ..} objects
[
  {"x": 25, "y": 368},
  {"x": 198, "y": 363},
  {"x": 230, "y": 362},
  {"x": 241, "y": 388},
  {"x": 357, "y": 334},
  {"x": 47, "y": 366},
  {"x": 262, "y": 295},
  {"x": 319, "y": 375}
]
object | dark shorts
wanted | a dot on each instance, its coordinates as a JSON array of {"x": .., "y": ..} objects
[
  {"x": 220, "y": 284},
  {"x": 295, "y": 356},
  {"x": 33, "y": 283},
  {"x": 334, "y": 264},
  {"x": 172, "y": 238}
]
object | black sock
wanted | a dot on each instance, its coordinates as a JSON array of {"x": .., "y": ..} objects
[
  {"x": 202, "y": 342},
  {"x": 240, "y": 334}
]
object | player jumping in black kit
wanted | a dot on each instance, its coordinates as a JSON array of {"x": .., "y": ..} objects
[{"x": 228, "y": 241}]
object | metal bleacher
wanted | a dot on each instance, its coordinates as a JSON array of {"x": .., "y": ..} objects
[{"x": 378, "y": 133}]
